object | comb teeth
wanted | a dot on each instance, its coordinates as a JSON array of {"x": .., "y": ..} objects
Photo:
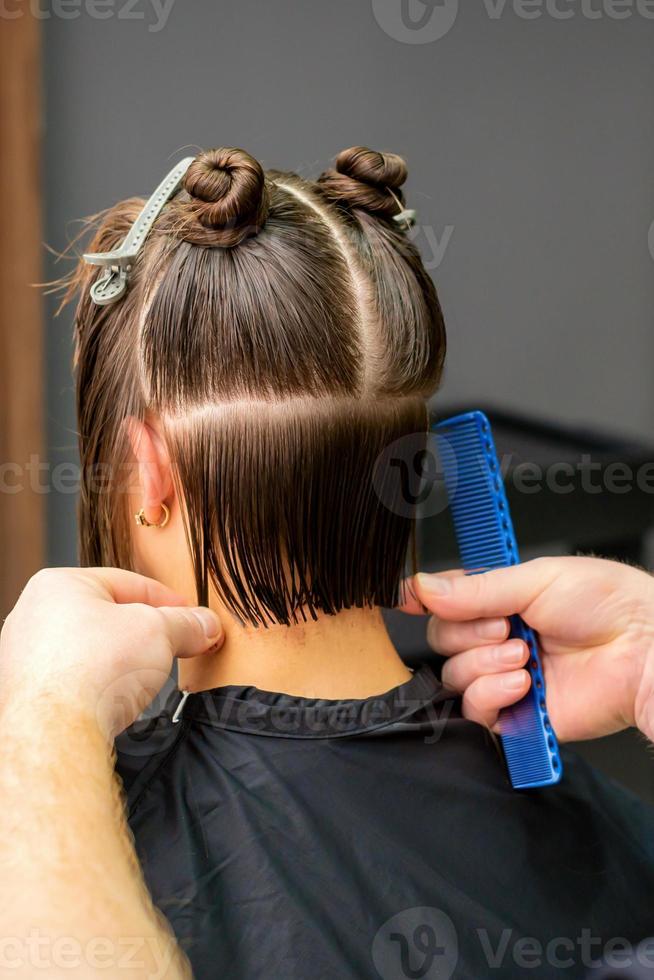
[
  {"x": 484, "y": 532},
  {"x": 520, "y": 727},
  {"x": 477, "y": 500}
]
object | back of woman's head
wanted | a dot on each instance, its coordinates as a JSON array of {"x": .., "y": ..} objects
[{"x": 284, "y": 333}]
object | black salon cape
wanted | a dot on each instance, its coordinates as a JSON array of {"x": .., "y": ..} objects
[{"x": 292, "y": 839}]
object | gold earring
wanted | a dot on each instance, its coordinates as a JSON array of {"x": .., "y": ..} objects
[{"x": 142, "y": 521}]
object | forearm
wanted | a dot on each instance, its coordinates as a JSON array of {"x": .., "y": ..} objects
[{"x": 72, "y": 895}]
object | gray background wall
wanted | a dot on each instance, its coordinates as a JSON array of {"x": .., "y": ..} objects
[{"x": 531, "y": 138}]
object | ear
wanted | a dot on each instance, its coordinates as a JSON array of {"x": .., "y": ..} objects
[{"x": 154, "y": 468}]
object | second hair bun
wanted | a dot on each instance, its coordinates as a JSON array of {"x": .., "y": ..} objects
[{"x": 366, "y": 179}]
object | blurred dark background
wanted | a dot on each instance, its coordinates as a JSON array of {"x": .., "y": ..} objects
[{"x": 530, "y": 143}]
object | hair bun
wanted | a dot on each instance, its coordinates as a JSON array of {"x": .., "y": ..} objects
[
  {"x": 366, "y": 179},
  {"x": 228, "y": 194}
]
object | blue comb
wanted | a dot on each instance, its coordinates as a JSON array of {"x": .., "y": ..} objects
[{"x": 484, "y": 532}]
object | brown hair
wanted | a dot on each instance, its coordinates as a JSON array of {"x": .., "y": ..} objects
[{"x": 285, "y": 332}]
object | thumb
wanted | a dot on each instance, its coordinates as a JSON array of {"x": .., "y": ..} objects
[
  {"x": 191, "y": 631},
  {"x": 501, "y": 592}
]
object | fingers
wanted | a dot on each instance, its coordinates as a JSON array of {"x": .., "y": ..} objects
[
  {"x": 450, "y": 638},
  {"x": 410, "y": 595},
  {"x": 125, "y": 587},
  {"x": 488, "y": 694},
  {"x": 489, "y": 677},
  {"x": 500, "y": 592},
  {"x": 463, "y": 669},
  {"x": 191, "y": 631}
]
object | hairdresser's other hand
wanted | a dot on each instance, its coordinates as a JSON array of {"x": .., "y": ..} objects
[
  {"x": 101, "y": 639},
  {"x": 595, "y": 620}
]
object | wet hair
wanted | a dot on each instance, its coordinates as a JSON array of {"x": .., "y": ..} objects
[{"x": 285, "y": 333}]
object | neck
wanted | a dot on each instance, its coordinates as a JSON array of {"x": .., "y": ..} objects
[{"x": 349, "y": 655}]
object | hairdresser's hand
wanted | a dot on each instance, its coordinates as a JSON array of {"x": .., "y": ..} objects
[
  {"x": 100, "y": 640},
  {"x": 595, "y": 620}
]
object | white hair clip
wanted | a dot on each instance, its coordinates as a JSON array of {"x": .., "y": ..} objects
[
  {"x": 112, "y": 284},
  {"x": 405, "y": 216}
]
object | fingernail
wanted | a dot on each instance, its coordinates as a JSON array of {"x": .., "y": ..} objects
[
  {"x": 209, "y": 622},
  {"x": 512, "y": 652},
  {"x": 514, "y": 681},
  {"x": 492, "y": 629},
  {"x": 434, "y": 584}
]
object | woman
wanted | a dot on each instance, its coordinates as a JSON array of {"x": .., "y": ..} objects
[{"x": 312, "y": 808}]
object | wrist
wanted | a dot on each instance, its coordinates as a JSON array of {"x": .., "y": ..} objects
[{"x": 42, "y": 714}]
